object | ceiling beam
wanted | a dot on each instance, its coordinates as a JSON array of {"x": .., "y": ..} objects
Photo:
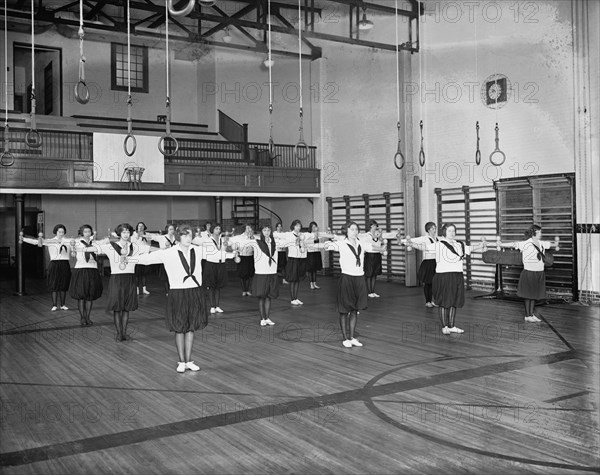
[{"x": 221, "y": 20}]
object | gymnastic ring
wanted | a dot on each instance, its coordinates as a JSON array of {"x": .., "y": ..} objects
[
  {"x": 183, "y": 12},
  {"x": 33, "y": 138},
  {"x": 497, "y": 164},
  {"x": 4, "y": 157},
  {"x": 298, "y": 146},
  {"x": 127, "y": 152},
  {"x": 402, "y": 162},
  {"x": 478, "y": 157},
  {"x": 85, "y": 98},
  {"x": 161, "y": 143},
  {"x": 422, "y": 158}
]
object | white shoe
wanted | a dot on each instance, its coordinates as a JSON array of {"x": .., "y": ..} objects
[
  {"x": 218, "y": 310},
  {"x": 371, "y": 296},
  {"x": 249, "y": 294},
  {"x": 446, "y": 331},
  {"x": 376, "y": 295},
  {"x": 429, "y": 305},
  {"x": 213, "y": 310},
  {"x": 355, "y": 342},
  {"x": 534, "y": 319},
  {"x": 295, "y": 302},
  {"x": 268, "y": 321},
  {"x": 263, "y": 323},
  {"x": 285, "y": 282},
  {"x": 299, "y": 302},
  {"x": 64, "y": 307},
  {"x": 347, "y": 343},
  {"x": 529, "y": 320},
  {"x": 181, "y": 367},
  {"x": 192, "y": 366},
  {"x": 312, "y": 286},
  {"x": 315, "y": 286},
  {"x": 433, "y": 304},
  {"x": 54, "y": 309},
  {"x": 455, "y": 330},
  {"x": 145, "y": 291}
]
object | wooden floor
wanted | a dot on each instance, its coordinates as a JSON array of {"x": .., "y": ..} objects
[{"x": 505, "y": 397}]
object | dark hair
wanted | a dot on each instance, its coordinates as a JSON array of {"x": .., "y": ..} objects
[
  {"x": 217, "y": 225},
  {"x": 209, "y": 224},
  {"x": 372, "y": 223},
  {"x": 293, "y": 225},
  {"x": 445, "y": 228},
  {"x": 428, "y": 226},
  {"x": 262, "y": 236},
  {"x": 168, "y": 226},
  {"x": 183, "y": 230},
  {"x": 310, "y": 226},
  {"x": 138, "y": 225},
  {"x": 347, "y": 225},
  {"x": 119, "y": 229},
  {"x": 85, "y": 226},
  {"x": 279, "y": 223},
  {"x": 57, "y": 227},
  {"x": 530, "y": 232}
]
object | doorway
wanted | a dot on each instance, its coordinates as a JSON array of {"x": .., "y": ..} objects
[{"x": 48, "y": 79}]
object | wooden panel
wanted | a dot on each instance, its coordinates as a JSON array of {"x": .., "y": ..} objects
[{"x": 52, "y": 174}]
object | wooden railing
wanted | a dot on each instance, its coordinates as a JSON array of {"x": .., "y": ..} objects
[
  {"x": 68, "y": 145},
  {"x": 232, "y": 130},
  {"x": 56, "y": 144}
]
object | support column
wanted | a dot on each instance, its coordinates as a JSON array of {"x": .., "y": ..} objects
[
  {"x": 408, "y": 185},
  {"x": 219, "y": 209},
  {"x": 19, "y": 224}
]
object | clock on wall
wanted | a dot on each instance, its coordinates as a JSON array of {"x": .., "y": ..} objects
[{"x": 495, "y": 91}]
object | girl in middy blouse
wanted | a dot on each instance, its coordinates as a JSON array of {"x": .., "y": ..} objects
[
  {"x": 214, "y": 272},
  {"x": 314, "y": 260},
  {"x": 448, "y": 281},
  {"x": 532, "y": 282},
  {"x": 123, "y": 286},
  {"x": 86, "y": 282},
  {"x": 245, "y": 260},
  {"x": 427, "y": 267},
  {"x": 295, "y": 268},
  {"x": 140, "y": 235},
  {"x": 59, "y": 270},
  {"x": 265, "y": 284},
  {"x": 186, "y": 307},
  {"x": 352, "y": 288},
  {"x": 281, "y": 251},
  {"x": 373, "y": 258}
]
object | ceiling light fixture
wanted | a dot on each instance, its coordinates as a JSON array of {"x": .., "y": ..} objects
[
  {"x": 365, "y": 24},
  {"x": 227, "y": 36}
]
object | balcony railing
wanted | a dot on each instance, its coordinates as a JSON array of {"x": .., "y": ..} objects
[
  {"x": 71, "y": 145},
  {"x": 56, "y": 144}
]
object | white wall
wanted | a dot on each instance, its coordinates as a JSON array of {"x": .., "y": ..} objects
[{"x": 107, "y": 103}]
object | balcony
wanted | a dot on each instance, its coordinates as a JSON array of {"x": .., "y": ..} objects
[{"x": 201, "y": 165}]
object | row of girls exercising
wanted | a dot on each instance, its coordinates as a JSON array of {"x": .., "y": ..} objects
[{"x": 442, "y": 270}]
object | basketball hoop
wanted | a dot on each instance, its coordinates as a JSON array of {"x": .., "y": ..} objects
[{"x": 134, "y": 177}]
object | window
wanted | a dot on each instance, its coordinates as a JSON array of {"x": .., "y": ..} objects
[{"x": 138, "y": 67}]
